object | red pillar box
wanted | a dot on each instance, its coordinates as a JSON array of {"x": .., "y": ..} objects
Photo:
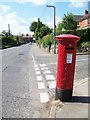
[{"x": 66, "y": 66}]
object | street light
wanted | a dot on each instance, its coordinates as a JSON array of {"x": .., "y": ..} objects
[{"x": 54, "y": 28}]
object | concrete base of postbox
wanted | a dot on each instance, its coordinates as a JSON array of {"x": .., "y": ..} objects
[{"x": 63, "y": 95}]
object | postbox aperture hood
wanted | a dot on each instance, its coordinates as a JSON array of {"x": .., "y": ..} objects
[{"x": 67, "y": 37}]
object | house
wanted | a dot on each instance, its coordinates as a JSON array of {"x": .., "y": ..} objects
[
  {"x": 25, "y": 38},
  {"x": 83, "y": 21}
]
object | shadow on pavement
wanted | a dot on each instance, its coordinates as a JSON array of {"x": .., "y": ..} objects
[{"x": 80, "y": 99}]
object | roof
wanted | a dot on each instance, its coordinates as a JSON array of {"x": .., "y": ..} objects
[
  {"x": 77, "y": 17},
  {"x": 85, "y": 17}
]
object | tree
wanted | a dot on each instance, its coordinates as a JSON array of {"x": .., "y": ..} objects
[
  {"x": 7, "y": 33},
  {"x": 33, "y": 26},
  {"x": 39, "y": 29},
  {"x": 44, "y": 31},
  {"x": 59, "y": 28},
  {"x": 68, "y": 23}
]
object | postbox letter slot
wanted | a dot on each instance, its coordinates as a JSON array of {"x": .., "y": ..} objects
[{"x": 67, "y": 48}]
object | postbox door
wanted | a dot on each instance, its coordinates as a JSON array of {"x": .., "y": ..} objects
[{"x": 69, "y": 68}]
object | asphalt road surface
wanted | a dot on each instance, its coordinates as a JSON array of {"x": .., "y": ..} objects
[{"x": 28, "y": 80}]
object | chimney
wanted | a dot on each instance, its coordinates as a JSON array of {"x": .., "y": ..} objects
[{"x": 86, "y": 12}]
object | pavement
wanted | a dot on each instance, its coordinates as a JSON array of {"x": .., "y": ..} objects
[{"x": 77, "y": 107}]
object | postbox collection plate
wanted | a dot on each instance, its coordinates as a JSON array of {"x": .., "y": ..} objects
[{"x": 69, "y": 58}]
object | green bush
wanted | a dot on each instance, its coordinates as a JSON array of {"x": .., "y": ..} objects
[
  {"x": 8, "y": 41},
  {"x": 39, "y": 42},
  {"x": 84, "y": 35},
  {"x": 46, "y": 40},
  {"x": 85, "y": 44}
]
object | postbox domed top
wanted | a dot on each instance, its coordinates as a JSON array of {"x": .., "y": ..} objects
[{"x": 67, "y": 37}]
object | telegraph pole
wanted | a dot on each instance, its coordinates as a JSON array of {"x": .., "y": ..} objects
[{"x": 9, "y": 29}]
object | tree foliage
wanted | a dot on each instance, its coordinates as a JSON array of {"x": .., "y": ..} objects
[
  {"x": 68, "y": 23},
  {"x": 44, "y": 31},
  {"x": 6, "y": 33},
  {"x": 33, "y": 26},
  {"x": 39, "y": 29},
  {"x": 58, "y": 29}
]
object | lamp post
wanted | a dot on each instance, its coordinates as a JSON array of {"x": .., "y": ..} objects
[{"x": 54, "y": 28}]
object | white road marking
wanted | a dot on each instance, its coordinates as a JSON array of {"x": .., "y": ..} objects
[
  {"x": 78, "y": 60},
  {"x": 81, "y": 82},
  {"x": 41, "y": 85},
  {"x": 50, "y": 77},
  {"x": 36, "y": 68},
  {"x": 44, "y": 68},
  {"x": 38, "y": 72},
  {"x": 33, "y": 59},
  {"x": 39, "y": 78},
  {"x": 51, "y": 63},
  {"x": 81, "y": 60},
  {"x": 43, "y": 65},
  {"x": 35, "y": 65},
  {"x": 44, "y": 97},
  {"x": 52, "y": 84},
  {"x": 47, "y": 72}
]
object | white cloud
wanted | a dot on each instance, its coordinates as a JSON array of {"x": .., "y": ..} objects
[
  {"x": 34, "y": 19},
  {"x": 51, "y": 22},
  {"x": 4, "y": 9},
  {"x": 36, "y": 2},
  {"x": 17, "y": 24},
  {"x": 77, "y": 4}
]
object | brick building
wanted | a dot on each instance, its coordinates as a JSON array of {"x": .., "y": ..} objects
[{"x": 84, "y": 22}]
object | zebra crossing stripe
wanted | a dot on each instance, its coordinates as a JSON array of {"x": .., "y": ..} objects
[
  {"x": 36, "y": 68},
  {"x": 52, "y": 84},
  {"x": 44, "y": 68},
  {"x": 50, "y": 77},
  {"x": 41, "y": 85},
  {"x": 38, "y": 72},
  {"x": 43, "y": 65},
  {"x": 44, "y": 97},
  {"x": 47, "y": 72},
  {"x": 39, "y": 78}
]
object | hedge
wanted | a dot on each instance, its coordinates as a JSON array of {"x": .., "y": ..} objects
[
  {"x": 45, "y": 40},
  {"x": 9, "y": 41},
  {"x": 84, "y": 34}
]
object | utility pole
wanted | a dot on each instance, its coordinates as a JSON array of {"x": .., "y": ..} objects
[
  {"x": 9, "y": 29},
  {"x": 54, "y": 27}
]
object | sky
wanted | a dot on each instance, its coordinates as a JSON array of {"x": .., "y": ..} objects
[{"x": 19, "y": 14}]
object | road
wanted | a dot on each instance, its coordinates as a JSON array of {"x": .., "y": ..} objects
[{"x": 28, "y": 80}]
